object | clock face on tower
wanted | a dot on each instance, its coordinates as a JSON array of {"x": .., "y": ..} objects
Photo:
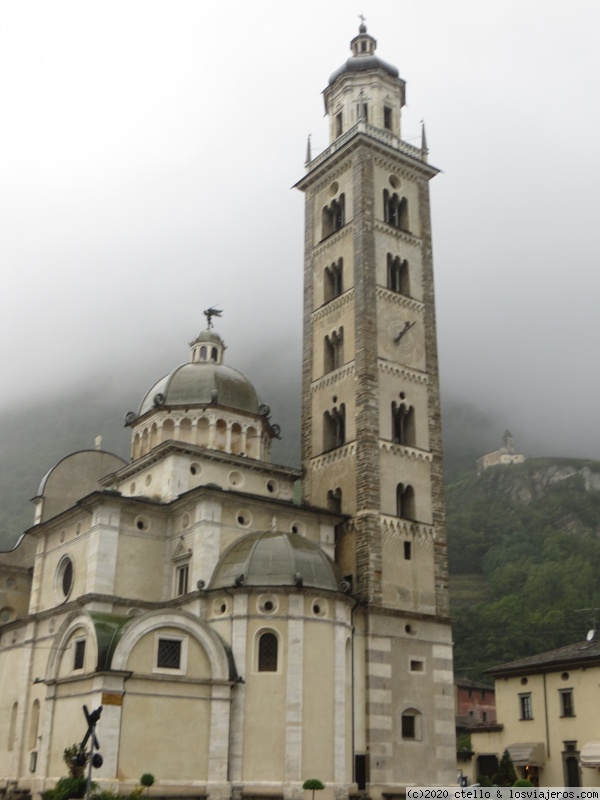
[{"x": 403, "y": 341}]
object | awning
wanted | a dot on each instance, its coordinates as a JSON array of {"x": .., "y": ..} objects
[
  {"x": 527, "y": 753},
  {"x": 590, "y": 755}
]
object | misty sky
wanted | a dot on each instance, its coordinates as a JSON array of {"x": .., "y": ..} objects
[{"x": 148, "y": 147}]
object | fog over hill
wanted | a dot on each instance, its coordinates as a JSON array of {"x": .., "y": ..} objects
[
  {"x": 147, "y": 154},
  {"x": 38, "y": 433}
]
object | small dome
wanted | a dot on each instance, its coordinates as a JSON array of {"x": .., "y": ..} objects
[
  {"x": 210, "y": 336},
  {"x": 363, "y": 63},
  {"x": 202, "y": 384},
  {"x": 274, "y": 558},
  {"x": 363, "y": 57}
]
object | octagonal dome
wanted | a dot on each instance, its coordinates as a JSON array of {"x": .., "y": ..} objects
[
  {"x": 275, "y": 558},
  {"x": 202, "y": 383}
]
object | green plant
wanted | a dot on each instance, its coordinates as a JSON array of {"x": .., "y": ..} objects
[
  {"x": 522, "y": 782},
  {"x": 76, "y": 759},
  {"x": 506, "y": 775},
  {"x": 314, "y": 785},
  {"x": 147, "y": 780},
  {"x": 67, "y": 788}
]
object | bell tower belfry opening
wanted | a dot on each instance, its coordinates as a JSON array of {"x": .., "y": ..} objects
[{"x": 371, "y": 431}]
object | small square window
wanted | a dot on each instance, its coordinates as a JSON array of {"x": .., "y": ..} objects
[
  {"x": 416, "y": 665},
  {"x": 79, "y": 654},
  {"x": 169, "y": 654}
]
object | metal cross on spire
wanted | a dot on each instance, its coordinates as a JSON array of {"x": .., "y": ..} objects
[{"x": 362, "y": 18}]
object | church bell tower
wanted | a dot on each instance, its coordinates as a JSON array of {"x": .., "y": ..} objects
[{"x": 371, "y": 432}]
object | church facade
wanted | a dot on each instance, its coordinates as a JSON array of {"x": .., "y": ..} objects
[{"x": 246, "y": 626}]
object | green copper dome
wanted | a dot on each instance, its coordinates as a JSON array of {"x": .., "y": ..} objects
[
  {"x": 202, "y": 384},
  {"x": 274, "y": 558},
  {"x": 203, "y": 381}
]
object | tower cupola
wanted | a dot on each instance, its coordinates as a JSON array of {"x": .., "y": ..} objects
[
  {"x": 365, "y": 89},
  {"x": 207, "y": 347},
  {"x": 363, "y": 44}
]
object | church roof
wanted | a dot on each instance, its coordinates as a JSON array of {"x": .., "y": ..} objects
[
  {"x": 275, "y": 558},
  {"x": 202, "y": 383}
]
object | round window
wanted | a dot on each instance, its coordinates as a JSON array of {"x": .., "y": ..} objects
[
  {"x": 319, "y": 607},
  {"x": 64, "y": 577},
  {"x": 243, "y": 518},
  {"x": 220, "y": 606},
  {"x": 267, "y": 604},
  {"x": 235, "y": 478}
]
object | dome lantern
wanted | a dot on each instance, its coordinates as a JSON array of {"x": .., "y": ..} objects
[{"x": 207, "y": 347}]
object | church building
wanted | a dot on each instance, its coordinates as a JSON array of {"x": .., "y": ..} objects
[{"x": 247, "y": 626}]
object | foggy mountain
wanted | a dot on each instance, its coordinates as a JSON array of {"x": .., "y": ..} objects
[{"x": 39, "y": 433}]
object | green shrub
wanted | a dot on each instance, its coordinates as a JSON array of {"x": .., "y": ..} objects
[
  {"x": 522, "y": 782},
  {"x": 67, "y": 788}
]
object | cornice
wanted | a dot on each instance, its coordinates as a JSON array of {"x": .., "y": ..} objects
[
  {"x": 344, "y": 166},
  {"x": 161, "y": 451},
  {"x": 386, "y": 146},
  {"x": 421, "y": 531},
  {"x": 333, "y": 377},
  {"x": 336, "y": 456},
  {"x": 391, "y": 230},
  {"x": 402, "y": 372},
  {"x": 414, "y": 453},
  {"x": 332, "y": 240},
  {"x": 400, "y": 299},
  {"x": 393, "y": 165},
  {"x": 333, "y": 305}
]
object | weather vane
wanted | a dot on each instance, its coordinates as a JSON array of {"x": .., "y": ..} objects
[
  {"x": 362, "y": 18},
  {"x": 210, "y": 313}
]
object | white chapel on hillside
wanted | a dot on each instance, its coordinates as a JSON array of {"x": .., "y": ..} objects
[{"x": 246, "y": 626}]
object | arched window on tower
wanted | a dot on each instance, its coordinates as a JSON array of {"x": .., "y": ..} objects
[
  {"x": 398, "y": 275},
  {"x": 333, "y": 217},
  {"x": 268, "y": 646},
  {"x": 333, "y": 351},
  {"x": 334, "y": 500},
  {"x": 334, "y": 428},
  {"x": 405, "y": 502},
  {"x": 395, "y": 210},
  {"x": 410, "y": 724},
  {"x": 333, "y": 283},
  {"x": 403, "y": 424}
]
